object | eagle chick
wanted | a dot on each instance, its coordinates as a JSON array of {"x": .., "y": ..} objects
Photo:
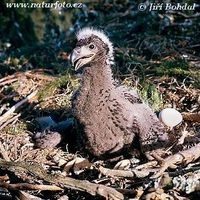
[{"x": 111, "y": 115}]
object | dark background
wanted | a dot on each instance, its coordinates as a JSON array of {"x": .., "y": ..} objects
[{"x": 39, "y": 34}]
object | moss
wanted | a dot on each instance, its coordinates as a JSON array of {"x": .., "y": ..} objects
[
  {"x": 67, "y": 82},
  {"x": 160, "y": 71},
  {"x": 175, "y": 64},
  {"x": 151, "y": 95},
  {"x": 148, "y": 93},
  {"x": 177, "y": 68}
]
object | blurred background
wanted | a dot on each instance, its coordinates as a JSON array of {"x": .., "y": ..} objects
[{"x": 34, "y": 37}]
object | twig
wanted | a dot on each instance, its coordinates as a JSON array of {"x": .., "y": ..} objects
[
  {"x": 81, "y": 185},
  {"x": 123, "y": 173},
  {"x": 8, "y": 81},
  {"x": 21, "y": 195},
  {"x": 6, "y": 115},
  {"x": 183, "y": 157},
  {"x": 4, "y": 178},
  {"x": 39, "y": 76},
  {"x": 193, "y": 117},
  {"x": 147, "y": 165},
  {"x": 4, "y": 152},
  {"x": 184, "y": 133},
  {"x": 9, "y": 121},
  {"x": 30, "y": 74},
  {"x": 7, "y": 78},
  {"x": 130, "y": 192},
  {"x": 27, "y": 186}
]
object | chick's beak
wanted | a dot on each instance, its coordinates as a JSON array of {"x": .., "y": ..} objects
[{"x": 80, "y": 56}]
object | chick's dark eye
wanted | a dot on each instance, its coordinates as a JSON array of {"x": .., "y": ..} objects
[{"x": 91, "y": 46}]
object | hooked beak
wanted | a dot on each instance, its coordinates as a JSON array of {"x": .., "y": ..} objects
[{"x": 81, "y": 56}]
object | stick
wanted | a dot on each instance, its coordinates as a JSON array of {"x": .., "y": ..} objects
[
  {"x": 27, "y": 186},
  {"x": 39, "y": 76},
  {"x": 8, "y": 81},
  {"x": 9, "y": 121},
  {"x": 81, "y": 185},
  {"x": 123, "y": 173},
  {"x": 30, "y": 74},
  {"x": 7, "y": 78},
  {"x": 182, "y": 157},
  {"x": 21, "y": 195},
  {"x": 6, "y": 115},
  {"x": 4, "y": 152},
  {"x": 4, "y": 178},
  {"x": 193, "y": 117}
]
